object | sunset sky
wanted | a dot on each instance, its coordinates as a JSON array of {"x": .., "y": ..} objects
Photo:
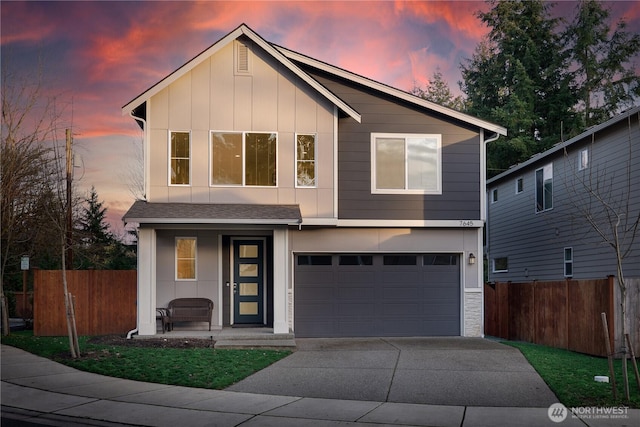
[{"x": 97, "y": 56}]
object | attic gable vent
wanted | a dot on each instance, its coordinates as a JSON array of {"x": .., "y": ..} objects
[{"x": 242, "y": 58}]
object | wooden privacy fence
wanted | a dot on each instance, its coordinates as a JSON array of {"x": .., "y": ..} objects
[
  {"x": 105, "y": 301},
  {"x": 563, "y": 314}
]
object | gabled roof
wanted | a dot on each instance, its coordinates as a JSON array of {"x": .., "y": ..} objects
[
  {"x": 268, "y": 47},
  {"x": 389, "y": 90},
  {"x": 288, "y": 58},
  {"x": 561, "y": 146}
]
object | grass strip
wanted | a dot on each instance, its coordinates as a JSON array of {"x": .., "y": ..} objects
[
  {"x": 570, "y": 376},
  {"x": 191, "y": 367}
]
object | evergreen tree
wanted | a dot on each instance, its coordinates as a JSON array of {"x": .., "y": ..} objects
[
  {"x": 439, "y": 92},
  {"x": 604, "y": 80},
  {"x": 517, "y": 78},
  {"x": 93, "y": 226}
]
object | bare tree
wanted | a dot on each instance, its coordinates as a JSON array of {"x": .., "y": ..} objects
[
  {"x": 26, "y": 167},
  {"x": 602, "y": 199}
]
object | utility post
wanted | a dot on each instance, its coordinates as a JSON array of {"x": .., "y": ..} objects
[{"x": 69, "y": 252}]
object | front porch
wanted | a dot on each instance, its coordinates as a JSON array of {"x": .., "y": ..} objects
[{"x": 227, "y": 337}]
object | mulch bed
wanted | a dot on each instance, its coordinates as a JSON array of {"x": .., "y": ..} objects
[{"x": 153, "y": 342}]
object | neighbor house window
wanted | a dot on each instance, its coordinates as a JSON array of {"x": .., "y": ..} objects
[
  {"x": 243, "y": 158},
  {"x": 544, "y": 188},
  {"x": 519, "y": 185},
  {"x": 568, "y": 262},
  {"x": 305, "y": 160},
  {"x": 500, "y": 265},
  {"x": 186, "y": 258},
  {"x": 180, "y": 158},
  {"x": 583, "y": 159},
  {"x": 494, "y": 195},
  {"x": 406, "y": 163}
]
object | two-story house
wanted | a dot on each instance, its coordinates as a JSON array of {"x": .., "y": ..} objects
[
  {"x": 303, "y": 197},
  {"x": 544, "y": 214}
]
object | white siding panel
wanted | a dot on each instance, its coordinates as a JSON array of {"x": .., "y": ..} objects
[
  {"x": 286, "y": 160},
  {"x": 306, "y": 112},
  {"x": 159, "y": 110},
  {"x": 325, "y": 158},
  {"x": 325, "y": 203},
  {"x": 286, "y": 104},
  {"x": 307, "y": 198},
  {"x": 200, "y": 158},
  {"x": 180, "y": 103},
  {"x": 200, "y": 81},
  {"x": 264, "y": 96},
  {"x": 180, "y": 194},
  {"x": 158, "y": 153},
  {"x": 242, "y": 109},
  {"x": 221, "y": 96}
]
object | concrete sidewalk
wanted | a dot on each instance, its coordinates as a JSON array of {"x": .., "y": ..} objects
[{"x": 37, "y": 391}]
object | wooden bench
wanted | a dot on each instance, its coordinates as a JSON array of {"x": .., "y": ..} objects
[{"x": 189, "y": 310}]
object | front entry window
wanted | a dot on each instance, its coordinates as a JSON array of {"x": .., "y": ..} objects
[{"x": 185, "y": 258}]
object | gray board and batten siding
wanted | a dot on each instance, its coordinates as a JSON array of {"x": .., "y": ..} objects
[
  {"x": 460, "y": 198},
  {"x": 534, "y": 242}
]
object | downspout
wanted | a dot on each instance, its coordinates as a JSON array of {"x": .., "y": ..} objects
[
  {"x": 144, "y": 124},
  {"x": 487, "y": 203}
]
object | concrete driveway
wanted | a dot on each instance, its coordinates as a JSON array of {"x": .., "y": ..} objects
[{"x": 434, "y": 371}]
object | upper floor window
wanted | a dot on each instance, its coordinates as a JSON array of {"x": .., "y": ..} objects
[
  {"x": 519, "y": 185},
  {"x": 180, "y": 158},
  {"x": 305, "y": 160},
  {"x": 406, "y": 163},
  {"x": 544, "y": 188},
  {"x": 494, "y": 195},
  {"x": 583, "y": 159},
  {"x": 247, "y": 158},
  {"x": 185, "y": 258}
]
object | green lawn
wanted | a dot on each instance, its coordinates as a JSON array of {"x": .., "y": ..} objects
[
  {"x": 570, "y": 376},
  {"x": 192, "y": 367}
]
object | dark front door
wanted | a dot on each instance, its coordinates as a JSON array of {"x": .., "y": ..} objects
[{"x": 248, "y": 282}]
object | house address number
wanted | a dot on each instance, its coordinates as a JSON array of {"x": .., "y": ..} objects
[{"x": 467, "y": 223}]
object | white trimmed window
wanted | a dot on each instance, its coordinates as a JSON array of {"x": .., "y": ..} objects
[
  {"x": 519, "y": 185},
  {"x": 406, "y": 163},
  {"x": 544, "y": 188},
  {"x": 494, "y": 195},
  {"x": 568, "y": 262},
  {"x": 179, "y": 158},
  {"x": 186, "y": 248},
  {"x": 244, "y": 158},
  {"x": 500, "y": 265},
  {"x": 583, "y": 159},
  {"x": 306, "y": 160}
]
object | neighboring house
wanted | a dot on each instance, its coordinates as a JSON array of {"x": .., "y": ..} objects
[
  {"x": 537, "y": 226},
  {"x": 306, "y": 198}
]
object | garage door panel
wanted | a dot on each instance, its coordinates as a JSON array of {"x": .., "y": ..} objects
[
  {"x": 314, "y": 293},
  {"x": 400, "y": 276},
  {"x": 400, "y": 292},
  {"x": 403, "y": 309},
  {"x": 378, "y": 299}
]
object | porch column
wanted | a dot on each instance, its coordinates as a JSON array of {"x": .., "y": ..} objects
[
  {"x": 146, "y": 281},
  {"x": 280, "y": 268}
]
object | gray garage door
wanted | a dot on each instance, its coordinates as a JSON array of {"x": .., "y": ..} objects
[{"x": 345, "y": 295}]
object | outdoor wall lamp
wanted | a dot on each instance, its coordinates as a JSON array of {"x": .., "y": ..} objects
[{"x": 472, "y": 259}]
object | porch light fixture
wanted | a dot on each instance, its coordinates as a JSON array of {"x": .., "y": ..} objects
[{"x": 472, "y": 259}]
